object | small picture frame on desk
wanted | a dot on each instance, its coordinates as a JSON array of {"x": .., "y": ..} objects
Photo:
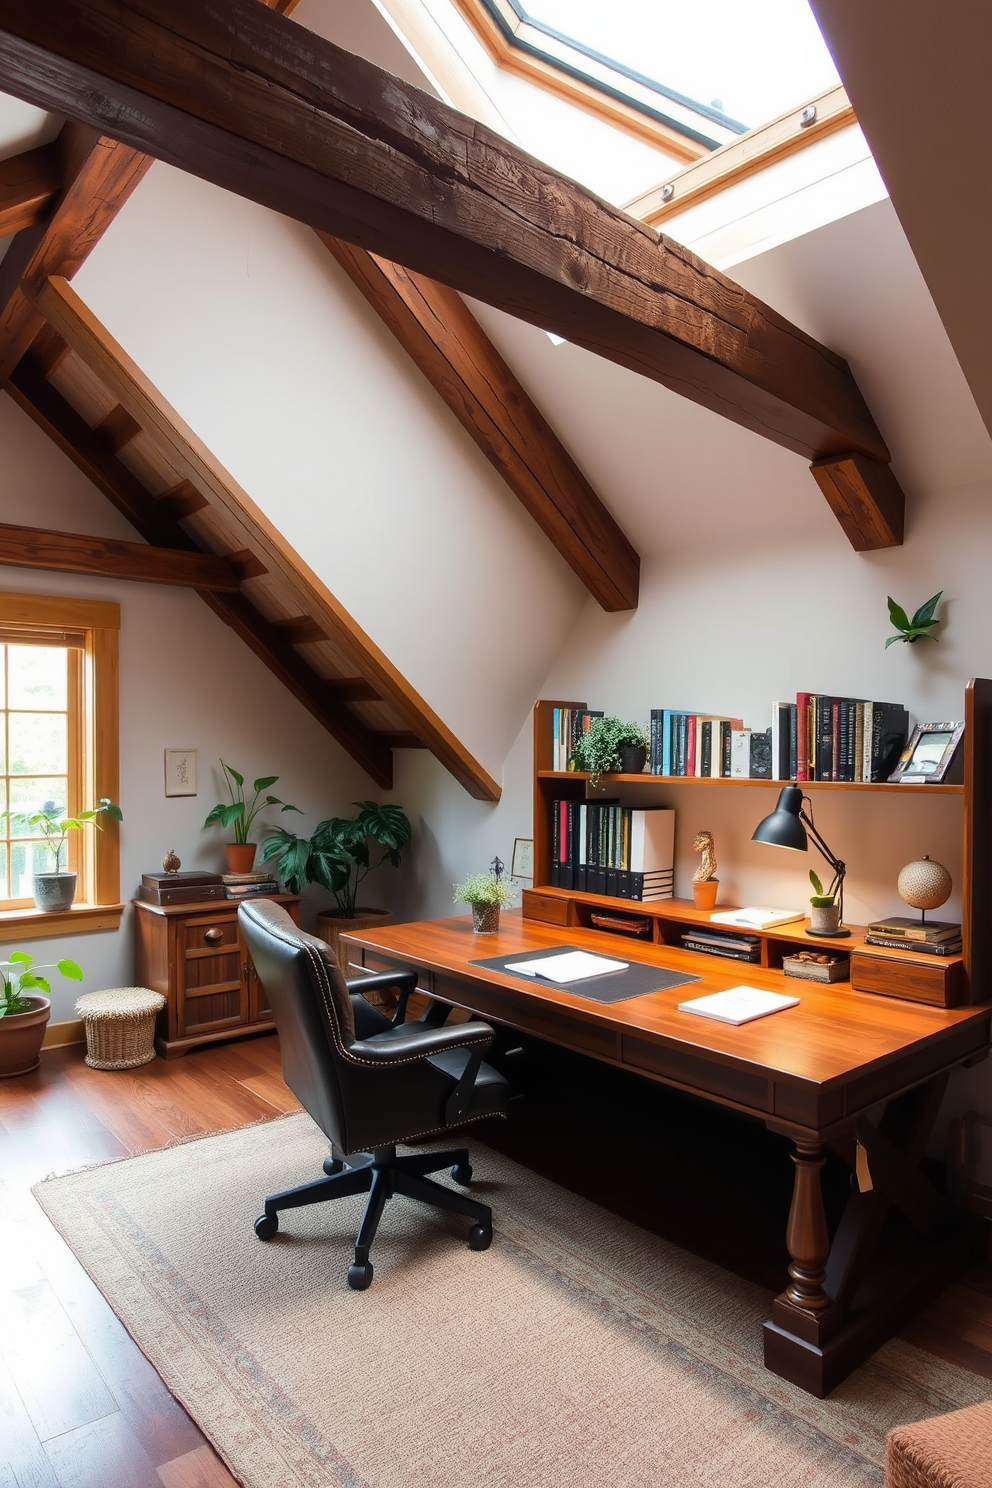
[
  {"x": 930, "y": 757},
  {"x": 180, "y": 772},
  {"x": 522, "y": 864}
]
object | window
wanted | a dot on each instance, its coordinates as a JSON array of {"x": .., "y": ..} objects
[{"x": 58, "y": 743}]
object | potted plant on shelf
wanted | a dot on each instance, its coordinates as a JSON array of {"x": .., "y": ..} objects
[
  {"x": 56, "y": 890},
  {"x": 240, "y": 814},
  {"x": 609, "y": 747},
  {"x": 339, "y": 857},
  {"x": 25, "y": 1007},
  {"x": 487, "y": 893},
  {"x": 824, "y": 911}
]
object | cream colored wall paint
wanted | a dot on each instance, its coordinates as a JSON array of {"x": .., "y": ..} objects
[
  {"x": 250, "y": 329},
  {"x": 187, "y": 681}
]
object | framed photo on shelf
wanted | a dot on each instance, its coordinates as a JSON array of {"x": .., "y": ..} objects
[
  {"x": 180, "y": 772},
  {"x": 522, "y": 865},
  {"x": 930, "y": 755}
]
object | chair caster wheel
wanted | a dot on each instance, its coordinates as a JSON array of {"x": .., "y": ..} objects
[
  {"x": 360, "y": 1277},
  {"x": 267, "y": 1226},
  {"x": 480, "y": 1237},
  {"x": 462, "y": 1173},
  {"x": 333, "y": 1165}
]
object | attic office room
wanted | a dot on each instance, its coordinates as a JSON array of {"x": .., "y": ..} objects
[{"x": 394, "y": 391}]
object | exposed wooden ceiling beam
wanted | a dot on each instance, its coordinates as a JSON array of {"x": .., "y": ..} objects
[
  {"x": 300, "y": 630},
  {"x": 187, "y": 454},
  {"x": 98, "y": 175},
  {"x": 60, "y": 421},
  {"x": 65, "y": 552},
  {"x": 29, "y": 184},
  {"x": 437, "y": 329},
  {"x": 240, "y": 97},
  {"x": 866, "y": 499},
  {"x": 117, "y": 429},
  {"x": 355, "y": 690}
]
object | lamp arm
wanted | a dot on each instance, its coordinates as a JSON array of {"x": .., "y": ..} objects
[{"x": 836, "y": 864}]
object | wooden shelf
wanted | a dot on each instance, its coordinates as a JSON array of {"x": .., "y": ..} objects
[{"x": 721, "y": 780}]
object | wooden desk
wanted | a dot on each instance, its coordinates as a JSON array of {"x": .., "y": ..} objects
[{"x": 844, "y": 1069}]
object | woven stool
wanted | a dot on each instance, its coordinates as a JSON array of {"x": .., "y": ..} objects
[
  {"x": 953, "y": 1451},
  {"x": 120, "y": 1026}
]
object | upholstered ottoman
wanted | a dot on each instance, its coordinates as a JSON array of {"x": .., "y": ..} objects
[
  {"x": 120, "y": 1026},
  {"x": 953, "y": 1451}
]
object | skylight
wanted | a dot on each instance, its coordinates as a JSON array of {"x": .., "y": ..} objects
[{"x": 749, "y": 59}]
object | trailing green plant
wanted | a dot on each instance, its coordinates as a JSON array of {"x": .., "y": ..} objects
[
  {"x": 916, "y": 629},
  {"x": 239, "y": 812},
  {"x": 600, "y": 749},
  {"x": 819, "y": 899},
  {"x": 485, "y": 888},
  {"x": 337, "y": 856},
  {"x": 50, "y": 822},
  {"x": 18, "y": 984}
]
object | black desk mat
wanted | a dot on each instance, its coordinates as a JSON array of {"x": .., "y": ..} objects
[{"x": 639, "y": 979}]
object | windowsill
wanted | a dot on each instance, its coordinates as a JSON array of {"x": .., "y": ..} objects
[{"x": 81, "y": 919}]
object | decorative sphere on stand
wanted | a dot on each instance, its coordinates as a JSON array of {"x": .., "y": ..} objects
[{"x": 924, "y": 884}]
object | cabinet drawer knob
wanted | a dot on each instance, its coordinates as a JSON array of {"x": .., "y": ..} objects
[{"x": 215, "y": 934}]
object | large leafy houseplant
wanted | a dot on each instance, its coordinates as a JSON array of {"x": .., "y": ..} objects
[
  {"x": 25, "y": 1009},
  {"x": 600, "y": 750},
  {"x": 339, "y": 854},
  {"x": 239, "y": 812}
]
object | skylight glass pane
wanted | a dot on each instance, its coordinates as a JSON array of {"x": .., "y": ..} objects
[{"x": 749, "y": 59}]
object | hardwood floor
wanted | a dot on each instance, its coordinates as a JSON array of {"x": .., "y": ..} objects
[{"x": 80, "y": 1406}]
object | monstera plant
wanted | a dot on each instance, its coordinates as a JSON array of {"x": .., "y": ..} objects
[{"x": 341, "y": 852}]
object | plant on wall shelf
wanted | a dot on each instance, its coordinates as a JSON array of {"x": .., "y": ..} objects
[
  {"x": 337, "y": 856},
  {"x": 601, "y": 749},
  {"x": 916, "y": 629}
]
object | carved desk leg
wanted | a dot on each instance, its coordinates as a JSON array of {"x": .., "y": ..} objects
[{"x": 806, "y": 1235}]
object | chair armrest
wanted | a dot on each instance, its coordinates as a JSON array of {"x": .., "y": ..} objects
[
  {"x": 412, "y": 1041},
  {"x": 406, "y": 981}
]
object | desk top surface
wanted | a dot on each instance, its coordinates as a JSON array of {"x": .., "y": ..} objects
[{"x": 834, "y": 1034}]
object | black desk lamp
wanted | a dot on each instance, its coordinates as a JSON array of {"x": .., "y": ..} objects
[{"x": 791, "y": 826}]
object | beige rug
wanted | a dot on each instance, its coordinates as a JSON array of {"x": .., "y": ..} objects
[{"x": 579, "y": 1352}]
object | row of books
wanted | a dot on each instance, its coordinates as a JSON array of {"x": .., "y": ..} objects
[
  {"x": 601, "y": 847},
  {"x": 190, "y": 888},
  {"x": 566, "y": 725},
  {"x": 723, "y": 943},
  {"x": 935, "y": 937}
]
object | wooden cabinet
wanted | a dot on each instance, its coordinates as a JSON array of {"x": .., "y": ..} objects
[{"x": 194, "y": 955}]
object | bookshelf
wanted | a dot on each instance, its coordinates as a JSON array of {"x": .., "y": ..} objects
[{"x": 945, "y": 982}]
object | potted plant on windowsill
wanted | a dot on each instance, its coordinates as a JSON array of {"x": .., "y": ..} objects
[
  {"x": 487, "y": 893},
  {"x": 240, "y": 813},
  {"x": 56, "y": 890},
  {"x": 339, "y": 857},
  {"x": 25, "y": 1008},
  {"x": 611, "y": 746}
]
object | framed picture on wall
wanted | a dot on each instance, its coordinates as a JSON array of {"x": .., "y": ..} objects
[
  {"x": 523, "y": 858},
  {"x": 930, "y": 754},
  {"x": 180, "y": 772}
]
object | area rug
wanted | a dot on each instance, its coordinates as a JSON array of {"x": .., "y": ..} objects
[{"x": 578, "y": 1352}]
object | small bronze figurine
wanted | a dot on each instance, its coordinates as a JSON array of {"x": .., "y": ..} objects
[{"x": 171, "y": 863}]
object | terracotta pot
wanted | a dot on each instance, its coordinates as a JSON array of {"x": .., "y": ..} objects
[
  {"x": 824, "y": 917},
  {"x": 633, "y": 759},
  {"x": 54, "y": 891},
  {"x": 485, "y": 919},
  {"x": 704, "y": 894},
  {"x": 21, "y": 1036},
  {"x": 240, "y": 856},
  {"x": 331, "y": 926}
]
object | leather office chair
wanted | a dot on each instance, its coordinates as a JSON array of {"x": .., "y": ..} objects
[{"x": 369, "y": 1082}]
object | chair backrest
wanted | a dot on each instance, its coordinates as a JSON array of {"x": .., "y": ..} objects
[{"x": 312, "y": 1010}]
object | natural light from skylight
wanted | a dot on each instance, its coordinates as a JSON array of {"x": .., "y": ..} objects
[{"x": 751, "y": 59}]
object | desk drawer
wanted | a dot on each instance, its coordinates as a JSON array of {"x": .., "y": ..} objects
[
  {"x": 892, "y": 976},
  {"x": 704, "y": 1075},
  {"x": 531, "y": 1015}
]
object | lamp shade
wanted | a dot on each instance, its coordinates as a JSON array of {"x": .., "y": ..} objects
[{"x": 783, "y": 827}]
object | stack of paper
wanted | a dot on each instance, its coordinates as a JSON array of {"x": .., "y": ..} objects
[
  {"x": 570, "y": 966},
  {"x": 738, "y": 1004},
  {"x": 757, "y": 917}
]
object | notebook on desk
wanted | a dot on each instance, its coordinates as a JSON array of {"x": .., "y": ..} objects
[{"x": 636, "y": 979}]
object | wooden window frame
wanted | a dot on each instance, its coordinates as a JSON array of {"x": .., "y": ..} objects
[{"x": 94, "y": 625}]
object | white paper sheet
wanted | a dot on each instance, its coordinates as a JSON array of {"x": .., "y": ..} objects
[
  {"x": 570, "y": 966},
  {"x": 738, "y": 1004}
]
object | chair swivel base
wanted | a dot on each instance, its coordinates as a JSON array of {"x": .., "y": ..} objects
[{"x": 381, "y": 1174}]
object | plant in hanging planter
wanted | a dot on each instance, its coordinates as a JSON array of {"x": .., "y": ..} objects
[
  {"x": 917, "y": 629},
  {"x": 56, "y": 890},
  {"x": 240, "y": 813},
  {"x": 25, "y": 1007},
  {"x": 487, "y": 893},
  {"x": 610, "y": 746},
  {"x": 824, "y": 909}
]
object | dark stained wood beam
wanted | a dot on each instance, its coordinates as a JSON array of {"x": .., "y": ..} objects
[
  {"x": 866, "y": 499},
  {"x": 65, "y": 552},
  {"x": 301, "y": 630},
  {"x": 182, "y": 500},
  {"x": 29, "y": 184},
  {"x": 442, "y": 336},
  {"x": 246, "y": 565},
  {"x": 98, "y": 175},
  {"x": 240, "y": 96},
  {"x": 48, "y": 351},
  {"x": 117, "y": 429},
  {"x": 355, "y": 690},
  {"x": 53, "y": 414}
]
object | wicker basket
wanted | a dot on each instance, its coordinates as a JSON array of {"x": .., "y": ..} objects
[{"x": 120, "y": 1026}]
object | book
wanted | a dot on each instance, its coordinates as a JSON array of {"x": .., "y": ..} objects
[
  {"x": 760, "y": 755},
  {"x": 570, "y": 966},
  {"x": 885, "y": 734},
  {"x": 756, "y": 917},
  {"x": 802, "y": 736},
  {"x": 740, "y": 754},
  {"x": 738, "y": 940},
  {"x": 246, "y": 878},
  {"x": 929, "y": 947},
  {"x": 186, "y": 894},
  {"x": 245, "y": 891},
  {"x": 179, "y": 880},
  {"x": 711, "y": 948},
  {"x": 738, "y": 1005},
  {"x": 903, "y": 928}
]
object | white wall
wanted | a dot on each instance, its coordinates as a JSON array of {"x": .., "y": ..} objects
[{"x": 186, "y": 681}]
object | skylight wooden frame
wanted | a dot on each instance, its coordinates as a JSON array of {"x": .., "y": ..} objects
[{"x": 94, "y": 763}]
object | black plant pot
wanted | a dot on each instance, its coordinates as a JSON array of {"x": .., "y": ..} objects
[{"x": 632, "y": 759}]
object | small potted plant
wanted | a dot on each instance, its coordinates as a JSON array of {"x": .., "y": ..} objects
[
  {"x": 487, "y": 893},
  {"x": 56, "y": 890},
  {"x": 611, "y": 746},
  {"x": 240, "y": 814},
  {"x": 824, "y": 911},
  {"x": 339, "y": 857},
  {"x": 25, "y": 1007}
]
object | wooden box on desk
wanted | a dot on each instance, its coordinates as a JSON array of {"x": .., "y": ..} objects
[{"x": 916, "y": 978}]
